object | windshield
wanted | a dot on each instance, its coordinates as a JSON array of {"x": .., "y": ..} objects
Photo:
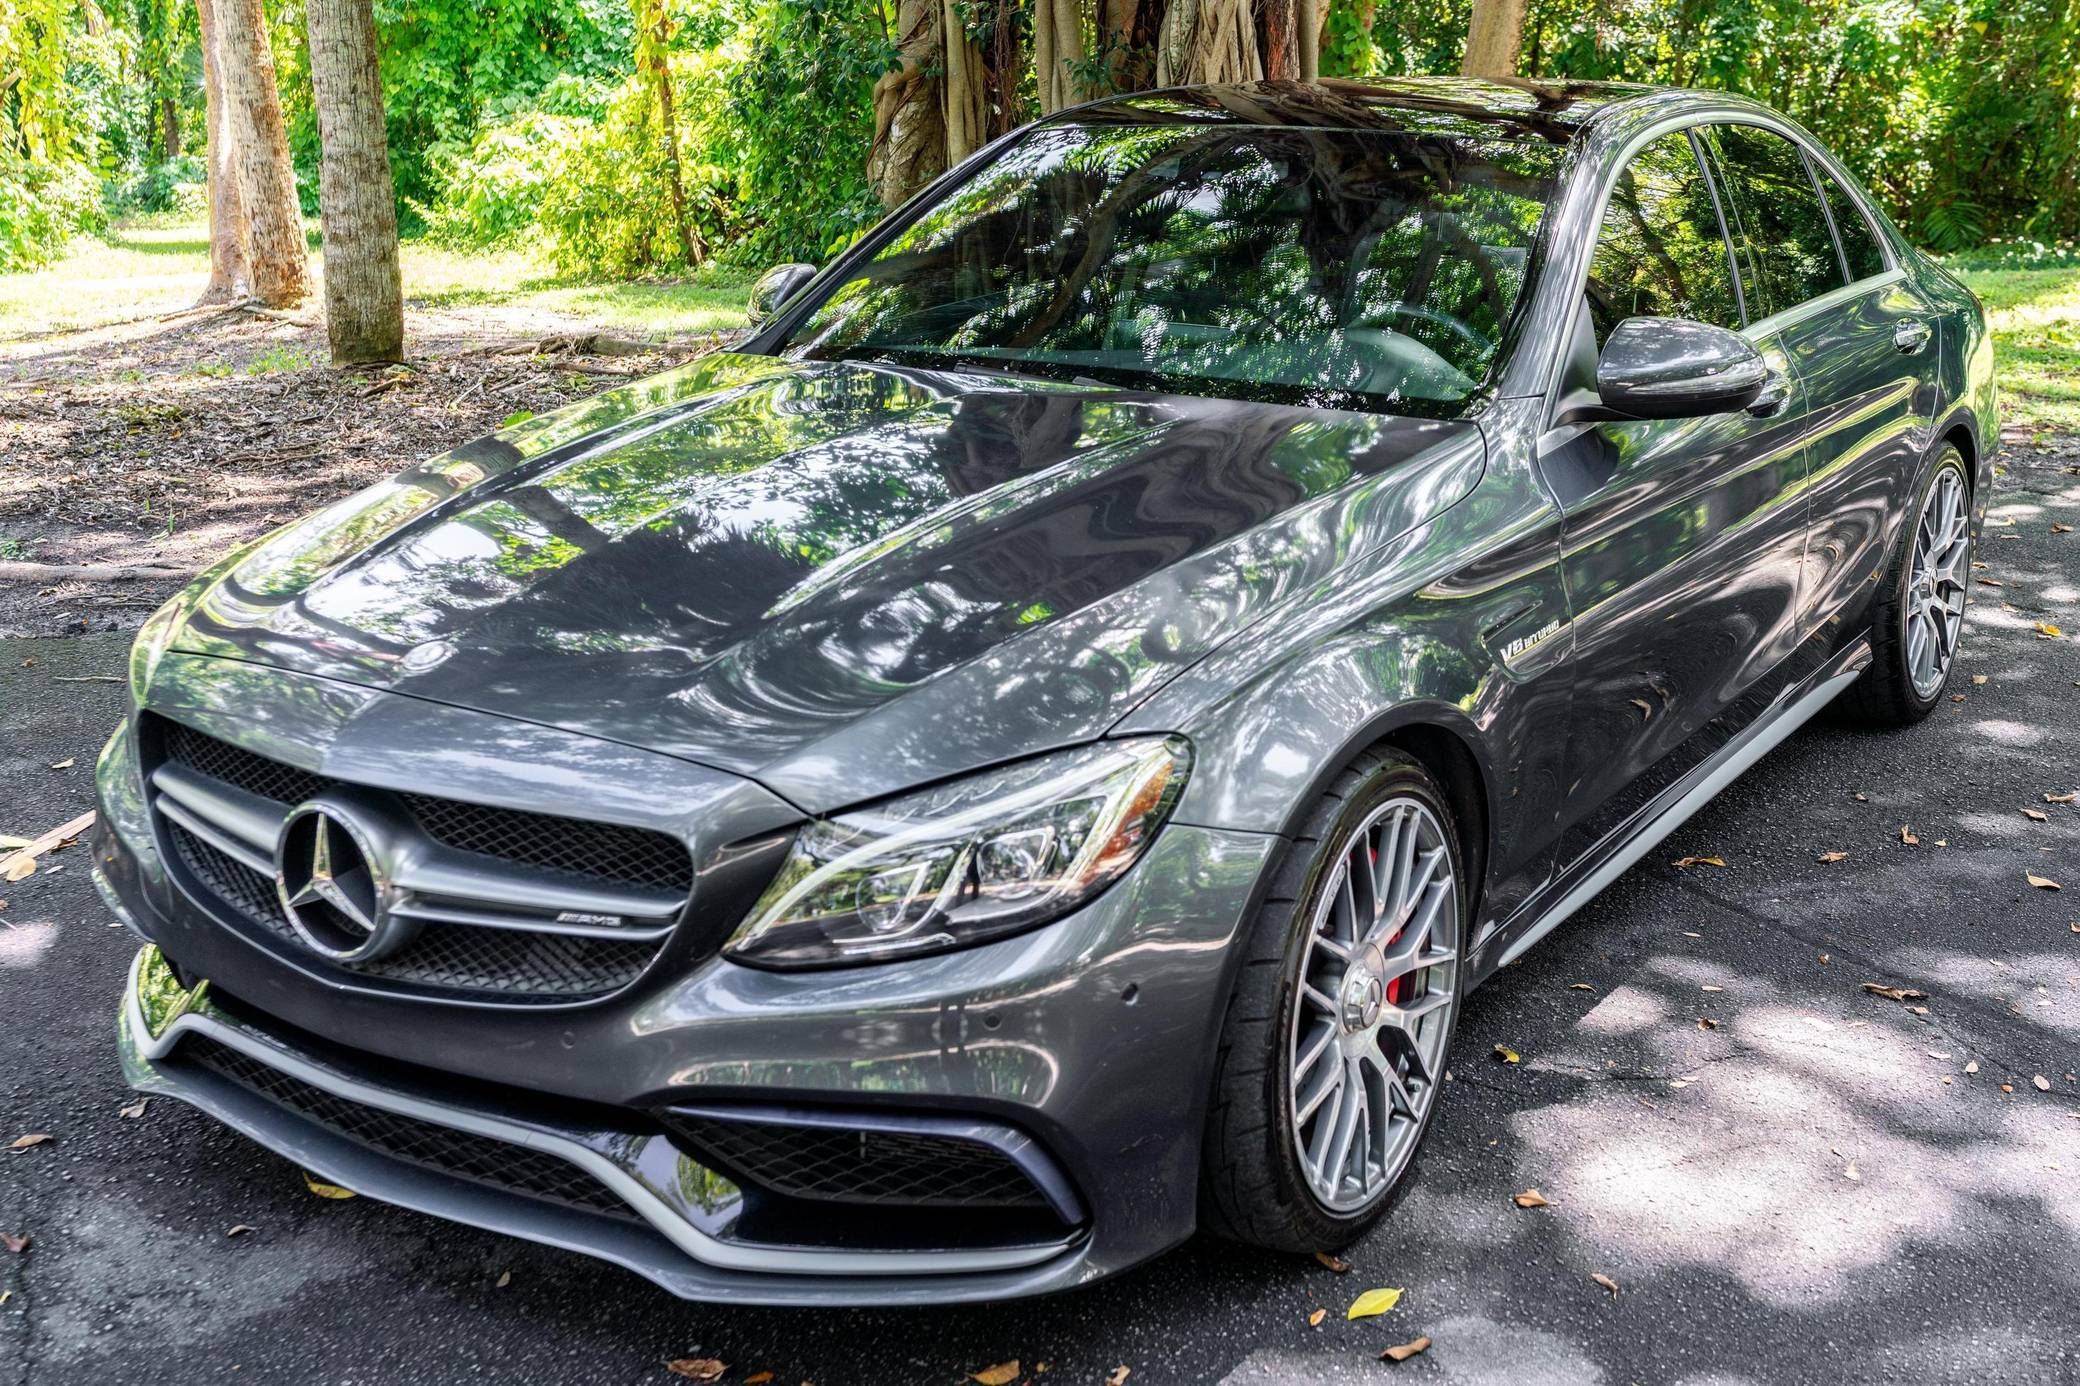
[{"x": 1358, "y": 269}]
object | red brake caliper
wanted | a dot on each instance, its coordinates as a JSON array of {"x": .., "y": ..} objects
[{"x": 1394, "y": 985}]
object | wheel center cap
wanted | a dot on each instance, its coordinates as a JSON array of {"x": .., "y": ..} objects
[{"x": 1364, "y": 989}]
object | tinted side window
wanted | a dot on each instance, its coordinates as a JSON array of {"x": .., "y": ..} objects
[
  {"x": 1859, "y": 242},
  {"x": 1660, "y": 252},
  {"x": 1780, "y": 217}
]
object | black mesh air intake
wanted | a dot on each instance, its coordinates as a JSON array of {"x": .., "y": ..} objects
[{"x": 849, "y": 1165}]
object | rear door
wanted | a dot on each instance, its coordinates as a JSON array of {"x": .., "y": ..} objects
[
  {"x": 1862, "y": 341},
  {"x": 1683, "y": 540}
]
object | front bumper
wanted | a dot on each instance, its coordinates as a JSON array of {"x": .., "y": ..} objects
[{"x": 1090, "y": 1037}]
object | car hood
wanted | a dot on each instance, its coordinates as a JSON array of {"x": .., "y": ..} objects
[{"x": 839, "y": 579}]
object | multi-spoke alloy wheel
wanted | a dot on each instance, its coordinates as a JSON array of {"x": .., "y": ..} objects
[
  {"x": 1377, "y": 975},
  {"x": 1936, "y": 585}
]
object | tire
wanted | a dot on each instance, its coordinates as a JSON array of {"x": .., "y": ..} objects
[
  {"x": 1887, "y": 695},
  {"x": 1255, "y": 1183}
]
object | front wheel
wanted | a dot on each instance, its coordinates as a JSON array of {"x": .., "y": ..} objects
[
  {"x": 1333, "y": 1049},
  {"x": 1918, "y": 618}
]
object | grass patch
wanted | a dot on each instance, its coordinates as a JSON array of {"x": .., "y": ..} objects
[
  {"x": 159, "y": 264},
  {"x": 2035, "y": 315}
]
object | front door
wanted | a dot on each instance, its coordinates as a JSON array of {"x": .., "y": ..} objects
[{"x": 1682, "y": 539}]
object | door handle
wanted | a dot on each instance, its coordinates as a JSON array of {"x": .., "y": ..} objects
[
  {"x": 1776, "y": 389},
  {"x": 1911, "y": 335}
]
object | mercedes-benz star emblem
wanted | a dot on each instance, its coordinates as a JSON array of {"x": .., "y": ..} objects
[{"x": 331, "y": 888}]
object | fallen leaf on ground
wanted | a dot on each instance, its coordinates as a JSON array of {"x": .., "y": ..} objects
[
  {"x": 1906, "y": 835},
  {"x": 1972, "y": 1067},
  {"x": 2048, "y": 631},
  {"x": 1314, "y": 1320},
  {"x": 1705, "y": 1022},
  {"x": 134, "y": 1110},
  {"x": 1685, "y": 863},
  {"x": 2060, "y": 798},
  {"x": 1530, "y": 1198},
  {"x": 8, "y": 842},
  {"x": 1401, "y": 1352},
  {"x": 2041, "y": 882},
  {"x": 323, "y": 1189},
  {"x": 709, "y": 1369},
  {"x": 1118, "y": 1376},
  {"x": 2036, "y": 815},
  {"x": 1373, "y": 1302},
  {"x": 21, "y": 869},
  {"x": 2041, "y": 1083},
  {"x": 2007, "y": 1087},
  {"x": 14, "y": 1243},
  {"x": 1978, "y": 680},
  {"x": 65, "y": 764},
  {"x": 1580, "y": 986},
  {"x": 1894, "y": 993},
  {"x": 1607, "y": 1283},
  {"x": 1709, "y": 987},
  {"x": 240, "y": 1230},
  {"x": 998, "y": 1375},
  {"x": 1507, "y": 1054},
  {"x": 1334, "y": 1263},
  {"x": 505, "y": 1278},
  {"x": 758, "y": 1378},
  {"x": 1832, "y": 856},
  {"x": 34, "y": 1138}
]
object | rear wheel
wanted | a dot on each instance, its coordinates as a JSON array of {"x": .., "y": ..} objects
[
  {"x": 1919, "y": 615},
  {"x": 1333, "y": 1051}
]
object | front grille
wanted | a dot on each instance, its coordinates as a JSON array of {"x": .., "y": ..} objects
[
  {"x": 517, "y": 966},
  {"x": 508, "y": 965},
  {"x": 850, "y": 1165},
  {"x": 483, "y": 1160},
  {"x": 606, "y": 852}
]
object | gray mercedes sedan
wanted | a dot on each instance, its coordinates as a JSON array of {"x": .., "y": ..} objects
[{"x": 1028, "y": 755}]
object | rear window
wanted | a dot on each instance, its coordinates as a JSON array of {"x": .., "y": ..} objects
[
  {"x": 1353, "y": 268},
  {"x": 1782, "y": 224}
]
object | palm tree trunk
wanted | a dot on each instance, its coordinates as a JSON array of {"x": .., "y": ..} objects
[
  {"x": 227, "y": 221},
  {"x": 364, "y": 294},
  {"x": 275, "y": 248}
]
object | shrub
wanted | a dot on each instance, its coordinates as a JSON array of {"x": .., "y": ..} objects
[{"x": 42, "y": 207}]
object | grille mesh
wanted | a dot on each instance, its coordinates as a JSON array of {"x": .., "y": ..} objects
[
  {"x": 843, "y": 1165},
  {"x": 460, "y": 1154},
  {"x": 514, "y": 965},
  {"x": 598, "y": 851}
]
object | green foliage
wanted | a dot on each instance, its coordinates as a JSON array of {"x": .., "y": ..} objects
[{"x": 42, "y": 206}]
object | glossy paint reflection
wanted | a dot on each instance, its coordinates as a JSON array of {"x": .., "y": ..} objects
[{"x": 746, "y": 560}]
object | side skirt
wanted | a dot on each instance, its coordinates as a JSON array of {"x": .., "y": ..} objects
[{"x": 1791, "y": 711}]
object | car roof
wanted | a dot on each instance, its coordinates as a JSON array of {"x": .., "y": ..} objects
[{"x": 1555, "y": 111}]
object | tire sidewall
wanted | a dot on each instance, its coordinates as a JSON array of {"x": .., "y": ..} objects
[{"x": 1396, "y": 778}]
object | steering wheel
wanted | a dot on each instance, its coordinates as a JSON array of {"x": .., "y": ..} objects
[{"x": 1383, "y": 318}]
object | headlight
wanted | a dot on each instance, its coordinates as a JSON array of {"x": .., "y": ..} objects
[
  {"x": 967, "y": 861},
  {"x": 151, "y": 641}
]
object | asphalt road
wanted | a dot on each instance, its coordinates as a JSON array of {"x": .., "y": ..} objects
[{"x": 1816, "y": 1186}]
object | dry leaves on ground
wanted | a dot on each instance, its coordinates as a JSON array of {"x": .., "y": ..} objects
[
  {"x": 14, "y": 1243},
  {"x": 33, "y": 1138},
  {"x": 134, "y": 1110},
  {"x": 1334, "y": 1263},
  {"x": 999, "y": 1375},
  {"x": 1607, "y": 1283},
  {"x": 1401, "y": 1352},
  {"x": 1685, "y": 863},
  {"x": 1507, "y": 1054},
  {"x": 1118, "y": 1376},
  {"x": 2036, "y": 815},
  {"x": 711, "y": 1369},
  {"x": 240, "y": 1229},
  {"x": 2060, "y": 798},
  {"x": 1894, "y": 993},
  {"x": 1314, "y": 1320},
  {"x": 2041, "y": 1083},
  {"x": 1530, "y": 1198},
  {"x": 1832, "y": 856},
  {"x": 1906, "y": 835},
  {"x": 1372, "y": 1302},
  {"x": 2041, "y": 882},
  {"x": 323, "y": 1189}
]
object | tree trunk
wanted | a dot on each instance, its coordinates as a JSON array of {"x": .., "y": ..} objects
[
  {"x": 1309, "y": 16},
  {"x": 1057, "y": 49},
  {"x": 275, "y": 248},
  {"x": 1208, "y": 41},
  {"x": 357, "y": 207},
  {"x": 227, "y": 221},
  {"x": 1494, "y": 39},
  {"x": 169, "y": 128},
  {"x": 965, "y": 97},
  {"x": 909, "y": 148},
  {"x": 1280, "y": 44},
  {"x": 653, "y": 35},
  {"x": 1127, "y": 33}
]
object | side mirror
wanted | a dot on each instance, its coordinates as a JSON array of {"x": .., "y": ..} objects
[
  {"x": 775, "y": 287},
  {"x": 1671, "y": 368}
]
